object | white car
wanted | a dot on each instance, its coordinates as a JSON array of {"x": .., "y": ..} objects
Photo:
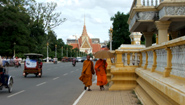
[{"x": 79, "y": 59}]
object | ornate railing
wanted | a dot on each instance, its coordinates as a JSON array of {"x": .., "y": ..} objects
[{"x": 167, "y": 58}]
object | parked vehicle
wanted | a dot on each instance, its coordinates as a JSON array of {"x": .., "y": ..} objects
[
  {"x": 5, "y": 79},
  {"x": 83, "y": 59},
  {"x": 78, "y": 59},
  {"x": 33, "y": 64}
]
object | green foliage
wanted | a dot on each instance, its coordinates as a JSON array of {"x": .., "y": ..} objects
[
  {"x": 120, "y": 30},
  {"x": 26, "y": 26}
]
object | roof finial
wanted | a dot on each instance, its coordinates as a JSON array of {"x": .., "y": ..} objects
[{"x": 84, "y": 19}]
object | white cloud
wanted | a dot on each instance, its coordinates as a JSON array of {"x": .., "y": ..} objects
[{"x": 97, "y": 16}]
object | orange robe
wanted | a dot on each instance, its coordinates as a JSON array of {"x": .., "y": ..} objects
[
  {"x": 87, "y": 72},
  {"x": 101, "y": 75}
]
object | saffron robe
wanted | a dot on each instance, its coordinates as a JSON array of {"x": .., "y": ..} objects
[
  {"x": 87, "y": 71},
  {"x": 101, "y": 74}
]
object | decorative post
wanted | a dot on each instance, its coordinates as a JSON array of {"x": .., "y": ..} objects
[
  {"x": 119, "y": 62},
  {"x": 169, "y": 63},
  {"x": 156, "y": 38},
  {"x": 126, "y": 63},
  {"x": 140, "y": 59},
  {"x": 138, "y": 3},
  {"x": 154, "y": 61},
  {"x": 146, "y": 64},
  {"x": 162, "y": 27},
  {"x": 47, "y": 52}
]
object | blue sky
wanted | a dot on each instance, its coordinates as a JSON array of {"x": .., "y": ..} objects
[{"x": 97, "y": 16}]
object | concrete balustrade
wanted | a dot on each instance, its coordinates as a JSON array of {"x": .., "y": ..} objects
[{"x": 159, "y": 72}]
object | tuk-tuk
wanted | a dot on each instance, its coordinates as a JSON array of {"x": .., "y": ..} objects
[{"x": 33, "y": 64}]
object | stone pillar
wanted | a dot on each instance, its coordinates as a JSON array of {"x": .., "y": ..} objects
[
  {"x": 109, "y": 63},
  {"x": 174, "y": 34},
  {"x": 162, "y": 27},
  {"x": 146, "y": 64},
  {"x": 119, "y": 62},
  {"x": 169, "y": 63},
  {"x": 156, "y": 38},
  {"x": 138, "y": 3},
  {"x": 154, "y": 61},
  {"x": 148, "y": 38},
  {"x": 140, "y": 59}
]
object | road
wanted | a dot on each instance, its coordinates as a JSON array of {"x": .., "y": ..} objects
[{"x": 59, "y": 85}]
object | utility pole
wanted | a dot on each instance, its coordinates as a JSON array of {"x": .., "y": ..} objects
[
  {"x": 62, "y": 52},
  {"x": 55, "y": 51},
  {"x": 110, "y": 36},
  {"x": 47, "y": 52}
]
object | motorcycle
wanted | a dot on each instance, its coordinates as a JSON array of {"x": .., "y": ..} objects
[
  {"x": 74, "y": 62},
  {"x": 5, "y": 80},
  {"x": 17, "y": 64}
]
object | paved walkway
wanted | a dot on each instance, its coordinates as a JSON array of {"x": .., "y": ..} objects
[{"x": 97, "y": 97}]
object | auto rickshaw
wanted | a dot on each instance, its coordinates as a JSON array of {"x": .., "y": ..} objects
[{"x": 33, "y": 64}]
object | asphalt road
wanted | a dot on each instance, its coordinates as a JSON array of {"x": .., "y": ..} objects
[{"x": 59, "y": 85}]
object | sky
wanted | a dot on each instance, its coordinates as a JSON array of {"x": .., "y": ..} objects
[{"x": 97, "y": 15}]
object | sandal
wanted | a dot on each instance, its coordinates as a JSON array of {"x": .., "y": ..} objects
[
  {"x": 85, "y": 87},
  {"x": 89, "y": 90}
]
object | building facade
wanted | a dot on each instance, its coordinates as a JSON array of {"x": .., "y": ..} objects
[{"x": 85, "y": 43}]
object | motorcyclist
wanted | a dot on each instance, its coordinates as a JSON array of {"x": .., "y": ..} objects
[
  {"x": 74, "y": 61},
  {"x": 2, "y": 71}
]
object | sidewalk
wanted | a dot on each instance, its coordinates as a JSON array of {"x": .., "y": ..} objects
[{"x": 97, "y": 97}]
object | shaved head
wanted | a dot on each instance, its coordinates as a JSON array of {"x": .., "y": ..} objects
[{"x": 88, "y": 57}]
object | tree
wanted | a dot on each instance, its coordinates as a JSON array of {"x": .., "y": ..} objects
[
  {"x": 44, "y": 13},
  {"x": 120, "y": 30},
  {"x": 13, "y": 27}
]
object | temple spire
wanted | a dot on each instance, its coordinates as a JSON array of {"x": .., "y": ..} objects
[
  {"x": 84, "y": 19},
  {"x": 84, "y": 33}
]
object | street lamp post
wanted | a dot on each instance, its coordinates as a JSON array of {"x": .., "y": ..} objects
[
  {"x": 55, "y": 51},
  {"x": 67, "y": 52},
  {"x": 110, "y": 35},
  {"x": 62, "y": 53},
  {"x": 14, "y": 49},
  {"x": 47, "y": 52},
  {"x": 71, "y": 52}
]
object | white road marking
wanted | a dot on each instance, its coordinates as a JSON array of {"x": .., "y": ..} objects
[
  {"x": 78, "y": 99},
  {"x": 41, "y": 84},
  {"x": 16, "y": 93},
  {"x": 55, "y": 78},
  {"x": 65, "y": 74},
  {"x": 76, "y": 69},
  {"x": 72, "y": 71}
]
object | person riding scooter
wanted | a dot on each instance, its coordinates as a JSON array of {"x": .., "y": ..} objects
[
  {"x": 2, "y": 71},
  {"x": 17, "y": 63},
  {"x": 74, "y": 62}
]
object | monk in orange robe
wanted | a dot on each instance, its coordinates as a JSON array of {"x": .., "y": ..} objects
[
  {"x": 100, "y": 68},
  {"x": 87, "y": 71}
]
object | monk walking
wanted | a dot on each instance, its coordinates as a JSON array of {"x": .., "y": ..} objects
[
  {"x": 100, "y": 68},
  {"x": 87, "y": 71}
]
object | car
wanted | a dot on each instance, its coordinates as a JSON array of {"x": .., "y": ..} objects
[
  {"x": 79, "y": 59},
  {"x": 83, "y": 59}
]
